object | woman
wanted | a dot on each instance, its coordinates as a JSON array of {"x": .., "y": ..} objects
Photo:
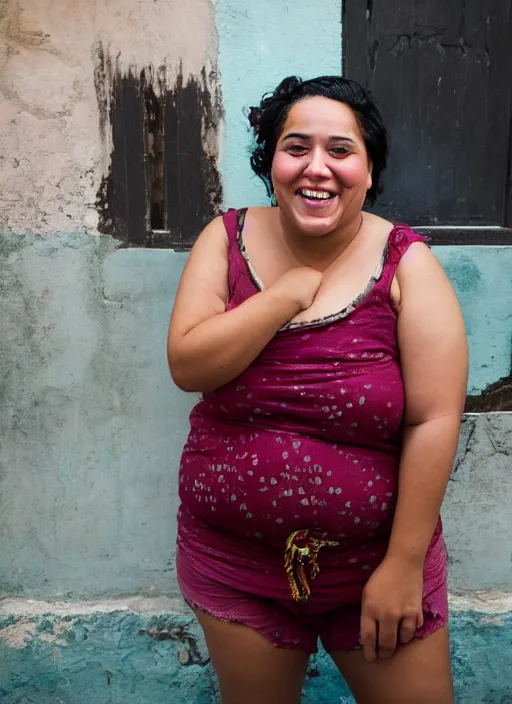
[{"x": 330, "y": 351}]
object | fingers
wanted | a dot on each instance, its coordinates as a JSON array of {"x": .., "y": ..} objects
[
  {"x": 388, "y": 635},
  {"x": 380, "y": 638},
  {"x": 408, "y": 628},
  {"x": 369, "y": 638}
]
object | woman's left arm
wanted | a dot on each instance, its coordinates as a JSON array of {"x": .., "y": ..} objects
[{"x": 434, "y": 363}]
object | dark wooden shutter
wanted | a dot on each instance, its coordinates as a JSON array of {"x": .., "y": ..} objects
[{"x": 442, "y": 75}]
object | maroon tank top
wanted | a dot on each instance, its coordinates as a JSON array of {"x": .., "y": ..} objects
[{"x": 309, "y": 436}]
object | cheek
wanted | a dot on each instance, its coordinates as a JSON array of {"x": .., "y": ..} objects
[
  {"x": 285, "y": 169},
  {"x": 352, "y": 173}
]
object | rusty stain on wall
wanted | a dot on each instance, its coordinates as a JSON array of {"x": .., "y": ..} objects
[{"x": 185, "y": 174}]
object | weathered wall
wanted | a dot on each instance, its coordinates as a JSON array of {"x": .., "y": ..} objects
[
  {"x": 133, "y": 652},
  {"x": 55, "y": 98},
  {"x": 91, "y": 425}
]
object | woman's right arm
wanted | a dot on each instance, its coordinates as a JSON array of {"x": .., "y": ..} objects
[{"x": 208, "y": 346}]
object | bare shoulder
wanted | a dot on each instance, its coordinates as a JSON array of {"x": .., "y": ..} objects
[
  {"x": 207, "y": 264},
  {"x": 377, "y": 231},
  {"x": 214, "y": 230},
  {"x": 421, "y": 281},
  {"x": 377, "y": 224},
  {"x": 418, "y": 272},
  {"x": 203, "y": 288},
  {"x": 212, "y": 241},
  {"x": 419, "y": 261}
]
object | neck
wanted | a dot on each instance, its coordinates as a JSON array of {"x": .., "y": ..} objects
[{"x": 320, "y": 251}]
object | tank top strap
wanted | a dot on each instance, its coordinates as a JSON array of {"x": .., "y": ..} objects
[
  {"x": 400, "y": 239},
  {"x": 241, "y": 285},
  {"x": 230, "y": 220}
]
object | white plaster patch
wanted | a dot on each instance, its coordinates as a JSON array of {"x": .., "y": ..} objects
[
  {"x": 484, "y": 601},
  {"x": 19, "y": 634},
  {"x": 137, "y": 604}
]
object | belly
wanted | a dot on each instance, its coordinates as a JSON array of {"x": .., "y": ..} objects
[{"x": 265, "y": 485}]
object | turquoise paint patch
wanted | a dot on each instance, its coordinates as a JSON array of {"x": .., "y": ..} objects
[
  {"x": 128, "y": 658},
  {"x": 90, "y": 418},
  {"x": 259, "y": 44},
  {"x": 120, "y": 658},
  {"x": 465, "y": 275},
  {"x": 482, "y": 279}
]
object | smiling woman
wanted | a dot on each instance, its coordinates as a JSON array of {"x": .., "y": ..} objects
[
  {"x": 321, "y": 179},
  {"x": 331, "y": 354}
]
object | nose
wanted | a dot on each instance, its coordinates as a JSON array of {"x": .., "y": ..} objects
[{"x": 317, "y": 166}]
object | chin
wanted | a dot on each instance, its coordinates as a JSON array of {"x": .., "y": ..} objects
[{"x": 317, "y": 225}]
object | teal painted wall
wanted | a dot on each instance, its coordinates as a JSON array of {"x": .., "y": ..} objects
[
  {"x": 255, "y": 53},
  {"x": 93, "y": 427},
  {"x": 129, "y": 658},
  {"x": 482, "y": 278}
]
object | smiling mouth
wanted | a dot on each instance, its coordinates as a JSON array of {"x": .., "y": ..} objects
[{"x": 315, "y": 195}]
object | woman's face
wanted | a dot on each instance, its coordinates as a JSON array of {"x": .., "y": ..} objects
[{"x": 321, "y": 170}]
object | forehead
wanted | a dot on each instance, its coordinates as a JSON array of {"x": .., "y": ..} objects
[{"x": 323, "y": 116}]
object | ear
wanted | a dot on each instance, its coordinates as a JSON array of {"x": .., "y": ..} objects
[{"x": 369, "y": 182}]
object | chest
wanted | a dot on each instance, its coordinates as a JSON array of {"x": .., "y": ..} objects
[{"x": 340, "y": 382}]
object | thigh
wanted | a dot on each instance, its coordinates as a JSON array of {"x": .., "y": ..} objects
[
  {"x": 418, "y": 673},
  {"x": 250, "y": 669}
]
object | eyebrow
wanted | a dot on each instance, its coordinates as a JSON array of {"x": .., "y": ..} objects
[{"x": 307, "y": 137}]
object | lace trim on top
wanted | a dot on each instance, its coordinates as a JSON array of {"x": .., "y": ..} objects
[{"x": 333, "y": 317}]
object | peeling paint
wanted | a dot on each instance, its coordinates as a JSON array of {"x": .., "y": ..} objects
[
  {"x": 103, "y": 657},
  {"x": 55, "y": 61},
  {"x": 131, "y": 657},
  {"x": 18, "y": 634},
  {"x": 496, "y": 397},
  {"x": 190, "y": 125},
  {"x": 23, "y": 630},
  {"x": 162, "y": 628}
]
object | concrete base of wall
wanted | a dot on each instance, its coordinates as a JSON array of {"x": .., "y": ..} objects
[{"x": 151, "y": 650}]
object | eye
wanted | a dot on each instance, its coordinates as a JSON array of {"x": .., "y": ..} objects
[
  {"x": 339, "y": 151},
  {"x": 297, "y": 149}
]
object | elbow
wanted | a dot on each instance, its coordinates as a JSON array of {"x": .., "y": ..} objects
[
  {"x": 180, "y": 377},
  {"x": 190, "y": 375},
  {"x": 185, "y": 378},
  {"x": 183, "y": 383},
  {"x": 180, "y": 370},
  {"x": 191, "y": 385}
]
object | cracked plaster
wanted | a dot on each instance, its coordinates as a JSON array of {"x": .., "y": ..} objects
[{"x": 476, "y": 511}]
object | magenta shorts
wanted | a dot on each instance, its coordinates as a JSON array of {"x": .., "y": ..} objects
[{"x": 209, "y": 582}]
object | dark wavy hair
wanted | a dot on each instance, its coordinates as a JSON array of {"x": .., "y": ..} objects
[{"x": 268, "y": 119}]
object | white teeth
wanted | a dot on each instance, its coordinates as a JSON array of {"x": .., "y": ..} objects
[{"x": 316, "y": 195}]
